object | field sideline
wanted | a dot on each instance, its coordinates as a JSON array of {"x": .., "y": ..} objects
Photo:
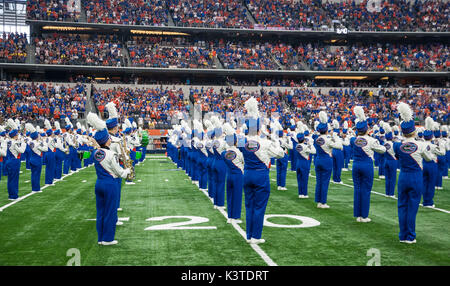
[{"x": 47, "y": 228}]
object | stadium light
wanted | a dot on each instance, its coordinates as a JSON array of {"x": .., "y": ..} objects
[
  {"x": 339, "y": 77},
  {"x": 58, "y": 28},
  {"x": 162, "y": 33}
]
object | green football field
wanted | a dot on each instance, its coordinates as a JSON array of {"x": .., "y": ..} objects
[{"x": 168, "y": 221}]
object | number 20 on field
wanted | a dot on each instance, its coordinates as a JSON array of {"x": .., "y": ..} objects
[{"x": 193, "y": 220}]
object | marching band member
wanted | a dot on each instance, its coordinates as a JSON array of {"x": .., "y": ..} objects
[
  {"x": 390, "y": 162},
  {"x": 324, "y": 145},
  {"x": 235, "y": 174},
  {"x": 410, "y": 154},
  {"x": 78, "y": 143},
  {"x": 346, "y": 145},
  {"x": 60, "y": 152},
  {"x": 337, "y": 154},
  {"x": 16, "y": 147},
  {"x": 68, "y": 140},
  {"x": 430, "y": 168},
  {"x": 257, "y": 153},
  {"x": 106, "y": 188},
  {"x": 441, "y": 159},
  {"x": 37, "y": 147},
  {"x": 282, "y": 163},
  {"x": 381, "y": 158},
  {"x": 49, "y": 157},
  {"x": 3, "y": 150},
  {"x": 303, "y": 165},
  {"x": 127, "y": 129},
  {"x": 210, "y": 160},
  {"x": 202, "y": 154},
  {"x": 112, "y": 124},
  {"x": 292, "y": 154},
  {"x": 219, "y": 167},
  {"x": 364, "y": 147},
  {"x": 447, "y": 148}
]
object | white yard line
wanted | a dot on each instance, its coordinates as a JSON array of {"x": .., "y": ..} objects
[
  {"x": 238, "y": 228},
  {"x": 32, "y": 193}
]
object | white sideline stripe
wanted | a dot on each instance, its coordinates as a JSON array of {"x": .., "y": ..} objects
[
  {"x": 438, "y": 209},
  {"x": 236, "y": 226},
  {"x": 32, "y": 193}
]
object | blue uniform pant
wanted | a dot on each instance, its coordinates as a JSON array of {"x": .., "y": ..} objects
[
  {"x": 12, "y": 170},
  {"x": 257, "y": 192},
  {"x": 27, "y": 156},
  {"x": 410, "y": 185},
  {"x": 347, "y": 150},
  {"x": 73, "y": 159},
  {"x": 441, "y": 168},
  {"x": 36, "y": 170},
  {"x": 381, "y": 165},
  {"x": 119, "y": 190},
  {"x": 49, "y": 167},
  {"x": 429, "y": 182},
  {"x": 203, "y": 174},
  {"x": 447, "y": 155},
  {"x": 323, "y": 167},
  {"x": 303, "y": 168},
  {"x": 235, "y": 181},
  {"x": 67, "y": 163},
  {"x": 391, "y": 176},
  {"x": 59, "y": 158},
  {"x": 219, "y": 170},
  {"x": 293, "y": 159},
  {"x": 362, "y": 175},
  {"x": 211, "y": 189},
  {"x": 106, "y": 204},
  {"x": 338, "y": 163},
  {"x": 282, "y": 165}
]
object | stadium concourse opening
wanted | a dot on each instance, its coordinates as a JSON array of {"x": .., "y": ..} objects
[{"x": 224, "y": 133}]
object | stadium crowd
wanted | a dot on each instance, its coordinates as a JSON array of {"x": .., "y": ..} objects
[
  {"x": 156, "y": 52},
  {"x": 156, "y": 106},
  {"x": 79, "y": 50},
  {"x": 209, "y": 13},
  {"x": 131, "y": 12},
  {"x": 390, "y": 15},
  {"x": 35, "y": 102},
  {"x": 53, "y": 10},
  {"x": 366, "y": 15},
  {"x": 13, "y": 47},
  {"x": 182, "y": 52},
  {"x": 160, "y": 105}
]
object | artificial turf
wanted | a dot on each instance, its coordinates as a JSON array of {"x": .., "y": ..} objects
[{"x": 42, "y": 229}]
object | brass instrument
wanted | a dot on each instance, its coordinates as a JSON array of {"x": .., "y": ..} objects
[{"x": 125, "y": 155}]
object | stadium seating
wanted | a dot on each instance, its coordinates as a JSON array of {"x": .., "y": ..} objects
[
  {"x": 35, "y": 102},
  {"x": 130, "y": 12},
  {"x": 209, "y": 13},
  {"x": 366, "y": 15},
  {"x": 13, "y": 48},
  {"x": 52, "y": 10},
  {"x": 156, "y": 106},
  {"x": 77, "y": 50},
  {"x": 156, "y": 52}
]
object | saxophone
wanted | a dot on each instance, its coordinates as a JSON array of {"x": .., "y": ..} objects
[{"x": 125, "y": 155}]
